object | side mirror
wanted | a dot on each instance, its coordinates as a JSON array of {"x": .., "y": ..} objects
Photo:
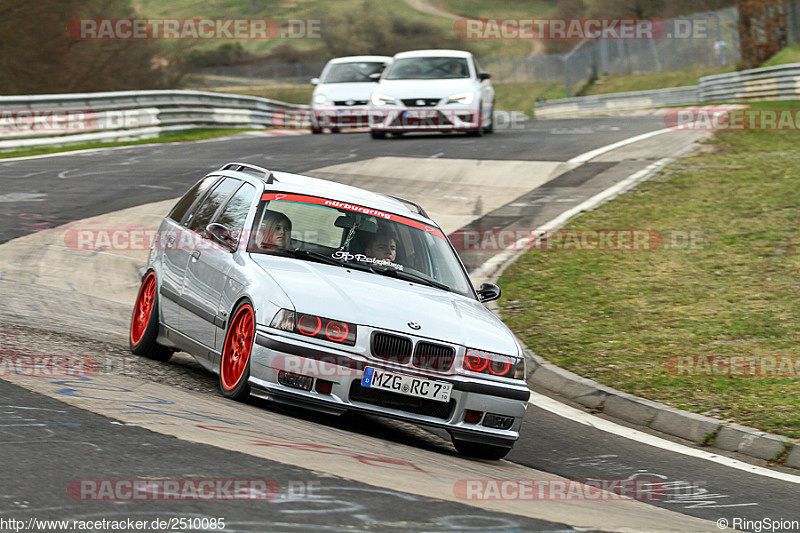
[
  {"x": 488, "y": 292},
  {"x": 222, "y": 235},
  {"x": 314, "y": 81},
  {"x": 484, "y": 76}
]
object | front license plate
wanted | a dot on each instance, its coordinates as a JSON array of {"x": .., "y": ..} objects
[
  {"x": 420, "y": 113},
  {"x": 409, "y": 385}
]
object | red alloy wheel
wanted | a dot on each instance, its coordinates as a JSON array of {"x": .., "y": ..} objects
[
  {"x": 144, "y": 308},
  {"x": 238, "y": 345}
]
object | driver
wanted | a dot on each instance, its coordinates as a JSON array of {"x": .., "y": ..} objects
[
  {"x": 276, "y": 231},
  {"x": 382, "y": 246}
]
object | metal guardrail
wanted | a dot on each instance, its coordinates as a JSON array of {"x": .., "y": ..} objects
[
  {"x": 60, "y": 119},
  {"x": 610, "y": 104},
  {"x": 769, "y": 83}
]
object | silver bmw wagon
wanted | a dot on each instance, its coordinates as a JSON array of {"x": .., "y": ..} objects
[{"x": 334, "y": 298}]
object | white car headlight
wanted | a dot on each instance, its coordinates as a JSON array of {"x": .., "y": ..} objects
[
  {"x": 320, "y": 99},
  {"x": 382, "y": 99},
  {"x": 461, "y": 98}
]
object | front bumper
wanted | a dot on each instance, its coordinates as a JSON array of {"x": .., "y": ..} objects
[
  {"x": 434, "y": 118},
  {"x": 274, "y": 353},
  {"x": 340, "y": 117}
]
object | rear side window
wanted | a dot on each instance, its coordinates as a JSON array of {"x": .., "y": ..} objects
[
  {"x": 202, "y": 214},
  {"x": 235, "y": 212},
  {"x": 190, "y": 197}
]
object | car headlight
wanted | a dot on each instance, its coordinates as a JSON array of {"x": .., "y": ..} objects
[
  {"x": 320, "y": 99},
  {"x": 461, "y": 98},
  {"x": 315, "y": 326},
  {"x": 382, "y": 99},
  {"x": 494, "y": 364}
]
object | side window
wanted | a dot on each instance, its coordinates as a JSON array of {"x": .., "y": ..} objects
[
  {"x": 202, "y": 214},
  {"x": 235, "y": 211},
  {"x": 190, "y": 197}
]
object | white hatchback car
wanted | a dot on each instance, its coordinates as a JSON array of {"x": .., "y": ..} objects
[
  {"x": 432, "y": 90},
  {"x": 342, "y": 92}
]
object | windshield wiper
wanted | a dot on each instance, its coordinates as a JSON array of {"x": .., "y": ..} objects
[{"x": 408, "y": 276}]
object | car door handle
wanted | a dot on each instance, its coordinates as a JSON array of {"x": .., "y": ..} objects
[{"x": 195, "y": 256}]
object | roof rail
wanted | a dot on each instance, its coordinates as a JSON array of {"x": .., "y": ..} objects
[
  {"x": 409, "y": 202},
  {"x": 262, "y": 173}
]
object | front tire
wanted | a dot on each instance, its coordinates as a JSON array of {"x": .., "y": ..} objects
[
  {"x": 144, "y": 322},
  {"x": 490, "y": 127},
  {"x": 479, "y": 450},
  {"x": 234, "y": 365},
  {"x": 377, "y": 134}
]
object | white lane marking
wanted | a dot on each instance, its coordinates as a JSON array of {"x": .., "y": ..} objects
[
  {"x": 22, "y": 197},
  {"x": 583, "y": 158},
  {"x": 581, "y": 417},
  {"x": 494, "y": 266}
]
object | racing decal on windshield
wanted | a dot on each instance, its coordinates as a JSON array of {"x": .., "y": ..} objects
[
  {"x": 302, "y": 198},
  {"x": 347, "y": 256}
]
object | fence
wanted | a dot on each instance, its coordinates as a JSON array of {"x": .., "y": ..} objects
[
  {"x": 770, "y": 83},
  {"x": 30, "y": 121}
]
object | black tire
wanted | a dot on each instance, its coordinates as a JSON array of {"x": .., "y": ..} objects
[
  {"x": 481, "y": 451},
  {"x": 490, "y": 127},
  {"x": 396, "y": 134},
  {"x": 335, "y": 130},
  {"x": 377, "y": 134},
  {"x": 239, "y": 389},
  {"x": 479, "y": 131},
  {"x": 144, "y": 342},
  {"x": 316, "y": 131}
]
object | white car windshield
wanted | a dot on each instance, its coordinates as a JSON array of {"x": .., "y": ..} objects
[
  {"x": 428, "y": 68},
  {"x": 338, "y": 233},
  {"x": 355, "y": 72}
]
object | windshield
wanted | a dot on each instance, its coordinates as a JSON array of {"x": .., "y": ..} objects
[
  {"x": 329, "y": 231},
  {"x": 351, "y": 72},
  {"x": 423, "y": 68}
]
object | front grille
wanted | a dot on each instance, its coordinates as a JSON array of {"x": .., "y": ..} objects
[
  {"x": 391, "y": 347},
  {"x": 421, "y": 102},
  {"x": 349, "y": 102},
  {"x": 401, "y": 402},
  {"x": 439, "y": 119},
  {"x": 434, "y": 356}
]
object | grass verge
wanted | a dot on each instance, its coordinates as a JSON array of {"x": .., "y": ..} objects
[
  {"x": 618, "y": 317},
  {"x": 651, "y": 80},
  {"x": 197, "y": 134}
]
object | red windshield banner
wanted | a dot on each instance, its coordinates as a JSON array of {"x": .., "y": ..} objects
[{"x": 286, "y": 197}]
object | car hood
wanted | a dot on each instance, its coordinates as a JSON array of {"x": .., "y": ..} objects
[
  {"x": 424, "y": 88},
  {"x": 379, "y": 301},
  {"x": 346, "y": 91}
]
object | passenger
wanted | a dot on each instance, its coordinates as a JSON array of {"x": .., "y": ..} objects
[
  {"x": 276, "y": 231},
  {"x": 382, "y": 246}
]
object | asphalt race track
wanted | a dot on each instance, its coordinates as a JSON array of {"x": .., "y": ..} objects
[{"x": 349, "y": 473}]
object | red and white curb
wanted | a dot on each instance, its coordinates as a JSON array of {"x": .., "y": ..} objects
[
  {"x": 694, "y": 109},
  {"x": 277, "y": 133}
]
